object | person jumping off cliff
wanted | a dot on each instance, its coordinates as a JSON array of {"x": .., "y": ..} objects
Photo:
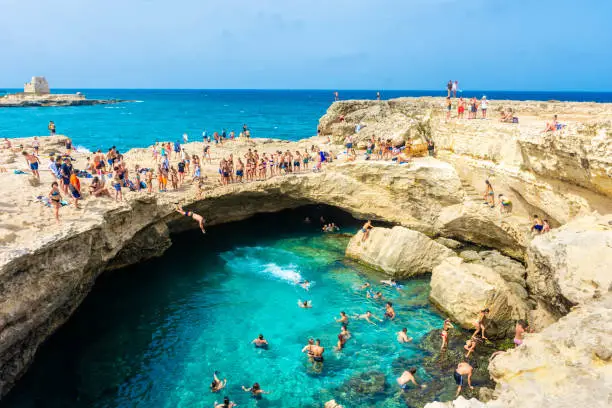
[{"x": 196, "y": 217}]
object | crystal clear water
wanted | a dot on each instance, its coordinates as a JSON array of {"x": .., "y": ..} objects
[
  {"x": 167, "y": 114},
  {"x": 152, "y": 335}
]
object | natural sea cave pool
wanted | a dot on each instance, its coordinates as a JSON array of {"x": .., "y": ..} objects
[{"x": 151, "y": 335}]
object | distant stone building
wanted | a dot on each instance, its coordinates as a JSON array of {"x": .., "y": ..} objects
[{"x": 38, "y": 85}]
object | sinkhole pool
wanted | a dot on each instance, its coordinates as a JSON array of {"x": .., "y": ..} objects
[{"x": 151, "y": 335}]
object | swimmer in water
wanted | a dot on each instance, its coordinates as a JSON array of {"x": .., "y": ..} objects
[
  {"x": 402, "y": 336},
  {"x": 308, "y": 349},
  {"x": 407, "y": 377},
  {"x": 226, "y": 403},
  {"x": 305, "y": 284},
  {"x": 377, "y": 295},
  {"x": 255, "y": 390},
  {"x": 260, "y": 342},
  {"x": 217, "y": 385},
  {"x": 317, "y": 355},
  {"x": 306, "y": 304},
  {"x": 343, "y": 319},
  {"x": 365, "y": 286},
  {"x": 393, "y": 283},
  {"x": 196, "y": 217},
  {"x": 389, "y": 312},
  {"x": 343, "y": 337},
  {"x": 367, "y": 316}
]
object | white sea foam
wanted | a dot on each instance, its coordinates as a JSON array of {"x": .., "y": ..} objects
[
  {"x": 287, "y": 273},
  {"x": 82, "y": 149}
]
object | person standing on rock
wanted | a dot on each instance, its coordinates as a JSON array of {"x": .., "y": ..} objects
[
  {"x": 378, "y": 96},
  {"x": 51, "y": 128},
  {"x": 454, "y": 89},
  {"x": 444, "y": 334},
  {"x": 449, "y": 88},
  {"x": 489, "y": 194},
  {"x": 32, "y": 162},
  {"x": 336, "y": 96},
  {"x": 463, "y": 369},
  {"x": 484, "y": 104},
  {"x": 366, "y": 230},
  {"x": 479, "y": 323},
  {"x": 520, "y": 329}
]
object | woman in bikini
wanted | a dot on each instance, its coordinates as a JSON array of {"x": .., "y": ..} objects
[
  {"x": 447, "y": 326},
  {"x": 196, "y": 217},
  {"x": 489, "y": 194},
  {"x": 55, "y": 199}
]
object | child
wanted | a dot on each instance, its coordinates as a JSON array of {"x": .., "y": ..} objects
[
  {"x": 149, "y": 178},
  {"x": 505, "y": 204}
]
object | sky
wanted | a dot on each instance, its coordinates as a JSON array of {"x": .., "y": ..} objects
[{"x": 308, "y": 44}]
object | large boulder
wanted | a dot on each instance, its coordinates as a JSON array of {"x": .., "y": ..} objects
[
  {"x": 462, "y": 289},
  {"x": 571, "y": 265},
  {"x": 398, "y": 251},
  {"x": 568, "y": 364},
  {"x": 477, "y": 223}
]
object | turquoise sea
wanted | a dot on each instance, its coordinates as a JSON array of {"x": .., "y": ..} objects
[
  {"x": 152, "y": 335},
  {"x": 167, "y": 114}
]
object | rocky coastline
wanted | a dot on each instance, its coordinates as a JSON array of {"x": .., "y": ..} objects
[
  {"x": 48, "y": 100},
  {"x": 558, "y": 281}
]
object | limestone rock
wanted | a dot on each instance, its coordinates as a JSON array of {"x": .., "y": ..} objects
[
  {"x": 477, "y": 223},
  {"x": 470, "y": 256},
  {"x": 567, "y": 365},
  {"x": 460, "y": 402},
  {"x": 449, "y": 243},
  {"x": 462, "y": 289},
  {"x": 398, "y": 251},
  {"x": 509, "y": 269},
  {"x": 571, "y": 265}
]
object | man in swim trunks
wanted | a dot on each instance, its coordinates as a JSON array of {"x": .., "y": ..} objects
[
  {"x": 408, "y": 377},
  {"x": 32, "y": 161},
  {"x": 366, "y": 230},
  {"x": 537, "y": 225},
  {"x": 402, "y": 336},
  {"x": 463, "y": 369},
  {"x": 197, "y": 217},
  {"x": 260, "y": 342},
  {"x": 317, "y": 354},
  {"x": 343, "y": 318},
  {"x": 389, "y": 312},
  {"x": 51, "y": 128}
]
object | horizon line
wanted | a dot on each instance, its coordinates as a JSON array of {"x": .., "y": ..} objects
[{"x": 329, "y": 90}]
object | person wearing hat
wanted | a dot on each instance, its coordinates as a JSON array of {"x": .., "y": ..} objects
[{"x": 483, "y": 106}]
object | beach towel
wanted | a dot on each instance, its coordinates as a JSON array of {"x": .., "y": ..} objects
[{"x": 19, "y": 172}]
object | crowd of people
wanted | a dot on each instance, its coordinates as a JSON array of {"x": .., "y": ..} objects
[{"x": 174, "y": 166}]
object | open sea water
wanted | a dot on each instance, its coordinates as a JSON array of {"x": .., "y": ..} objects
[
  {"x": 167, "y": 114},
  {"x": 153, "y": 334}
]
